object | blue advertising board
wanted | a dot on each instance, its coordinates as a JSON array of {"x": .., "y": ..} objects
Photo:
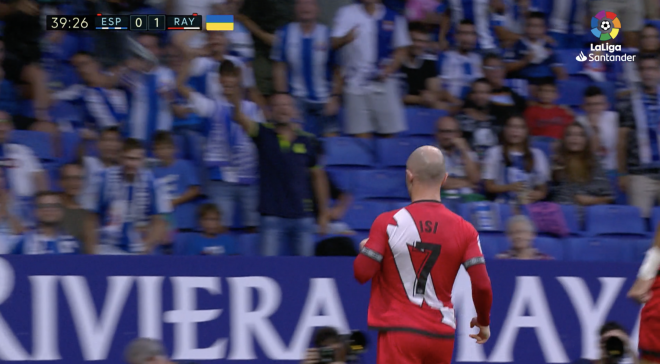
[{"x": 75, "y": 309}]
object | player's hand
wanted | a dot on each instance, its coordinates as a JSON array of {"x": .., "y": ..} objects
[
  {"x": 312, "y": 357},
  {"x": 641, "y": 290},
  {"x": 363, "y": 243},
  {"x": 484, "y": 332}
]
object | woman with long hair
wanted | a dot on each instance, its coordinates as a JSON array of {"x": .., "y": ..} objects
[
  {"x": 513, "y": 171},
  {"x": 578, "y": 174}
]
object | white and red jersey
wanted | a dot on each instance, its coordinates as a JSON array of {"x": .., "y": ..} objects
[{"x": 416, "y": 253}]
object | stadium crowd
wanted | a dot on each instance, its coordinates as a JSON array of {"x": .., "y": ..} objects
[{"x": 285, "y": 131}]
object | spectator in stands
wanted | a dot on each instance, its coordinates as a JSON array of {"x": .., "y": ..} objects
[
  {"x": 567, "y": 23},
  {"x": 419, "y": 68},
  {"x": 24, "y": 174},
  {"x": 532, "y": 57},
  {"x": 103, "y": 107},
  {"x": 8, "y": 91},
  {"x": 47, "y": 236},
  {"x": 150, "y": 87},
  {"x": 109, "y": 147},
  {"x": 521, "y": 233},
  {"x": 75, "y": 216},
  {"x": 478, "y": 13},
  {"x": 461, "y": 163},
  {"x": 371, "y": 56},
  {"x": 504, "y": 101},
  {"x": 241, "y": 44},
  {"x": 211, "y": 240},
  {"x": 22, "y": 34},
  {"x": 230, "y": 154},
  {"x": 508, "y": 20},
  {"x": 601, "y": 126},
  {"x": 179, "y": 179},
  {"x": 476, "y": 120},
  {"x": 578, "y": 175},
  {"x": 129, "y": 206},
  {"x": 204, "y": 69},
  {"x": 305, "y": 66},
  {"x": 639, "y": 148},
  {"x": 628, "y": 72},
  {"x": 287, "y": 161},
  {"x": 546, "y": 118},
  {"x": 460, "y": 67},
  {"x": 630, "y": 13},
  {"x": 513, "y": 171}
]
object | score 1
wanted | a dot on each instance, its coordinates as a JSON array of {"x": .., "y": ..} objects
[{"x": 156, "y": 22}]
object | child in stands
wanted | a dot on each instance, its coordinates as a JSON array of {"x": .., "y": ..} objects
[
  {"x": 211, "y": 240},
  {"x": 546, "y": 118}
]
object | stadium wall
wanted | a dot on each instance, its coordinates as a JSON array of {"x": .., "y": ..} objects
[{"x": 76, "y": 309}]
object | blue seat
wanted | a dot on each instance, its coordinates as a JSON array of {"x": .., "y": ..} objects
[
  {"x": 180, "y": 242},
  {"x": 422, "y": 121},
  {"x": 493, "y": 244},
  {"x": 600, "y": 250},
  {"x": 655, "y": 218},
  {"x": 348, "y": 151},
  {"x": 380, "y": 184},
  {"x": 394, "y": 152},
  {"x": 545, "y": 144},
  {"x": 571, "y": 91},
  {"x": 39, "y": 142},
  {"x": 361, "y": 214},
  {"x": 641, "y": 246},
  {"x": 614, "y": 220},
  {"x": 551, "y": 246},
  {"x": 465, "y": 210},
  {"x": 342, "y": 177},
  {"x": 567, "y": 58},
  {"x": 248, "y": 244}
]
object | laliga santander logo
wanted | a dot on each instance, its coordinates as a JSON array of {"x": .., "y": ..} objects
[{"x": 605, "y": 25}]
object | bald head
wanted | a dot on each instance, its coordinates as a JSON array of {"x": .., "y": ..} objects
[{"x": 427, "y": 165}]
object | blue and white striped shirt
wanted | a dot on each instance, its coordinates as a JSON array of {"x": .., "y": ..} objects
[
  {"x": 149, "y": 111},
  {"x": 241, "y": 44},
  {"x": 309, "y": 60},
  {"x": 458, "y": 71},
  {"x": 567, "y": 16},
  {"x": 103, "y": 107},
  {"x": 479, "y": 12}
]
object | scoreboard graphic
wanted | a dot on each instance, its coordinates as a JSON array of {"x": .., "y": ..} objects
[{"x": 140, "y": 22}]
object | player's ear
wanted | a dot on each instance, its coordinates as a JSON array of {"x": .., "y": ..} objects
[
  {"x": 444, "y": 180},
  {"x": 409, "y": 176}
]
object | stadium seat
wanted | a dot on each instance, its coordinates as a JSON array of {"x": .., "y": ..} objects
[
  {"x": 342, "y": 177},
  {"x": 551, "y": 246},
  {"x": 39, "y": 142},
  {"x": 466, "y": 211},
  {"x": 248, "y": 244},
  {"x": 567, "y": 58},
  {"x": 422, "y": 121},
  {"x": 394, "y": 152},
  {"x": 655, "y": 218},
  {"x": 599, "y": 250},
  {"x": 180, "y": 241},
  {"x": 493, "y": 244},
  {"x": 348, "y": 151},
  {"x": 380, "y": 184},
  {"x": 614, "y": 220},
  {"x": 361, "y": 214},
  {"x": 641, "y": 246},
  {"x": 545, "y": 144},
  {"x": 571, "y": 91}
]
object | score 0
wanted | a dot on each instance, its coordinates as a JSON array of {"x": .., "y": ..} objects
[{"x": 139, "y": 22}]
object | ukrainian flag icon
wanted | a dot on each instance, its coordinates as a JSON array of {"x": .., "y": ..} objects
[{"x": 219, "y": 22}]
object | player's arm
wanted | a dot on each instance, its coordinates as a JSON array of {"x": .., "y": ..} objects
[
  {"x": 482, "y": 292},
  {"x": 648, "y": 271},
  {"x": 368, "y": 261}
]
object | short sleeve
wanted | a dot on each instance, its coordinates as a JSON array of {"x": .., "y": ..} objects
[
  {"x": 341, "y": 25},
  {"x": 541, "y": 167},
  {"x": 491, "y": 165},
  {"x": 401, "y": 34},
  {"x": 277, "y": 52},
  {"x": 160, "y": 199},
  {"x": 378, "y": 238},
  {"x": 473, "y": 254}
]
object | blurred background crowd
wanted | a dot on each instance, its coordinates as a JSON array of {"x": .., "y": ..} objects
[{"x": 289, "y": 134}]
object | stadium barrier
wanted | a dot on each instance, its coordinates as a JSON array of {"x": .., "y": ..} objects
[{"x": 76, "y": 309}]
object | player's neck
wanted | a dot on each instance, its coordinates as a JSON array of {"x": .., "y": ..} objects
[{"x": 425, "y": 194}]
